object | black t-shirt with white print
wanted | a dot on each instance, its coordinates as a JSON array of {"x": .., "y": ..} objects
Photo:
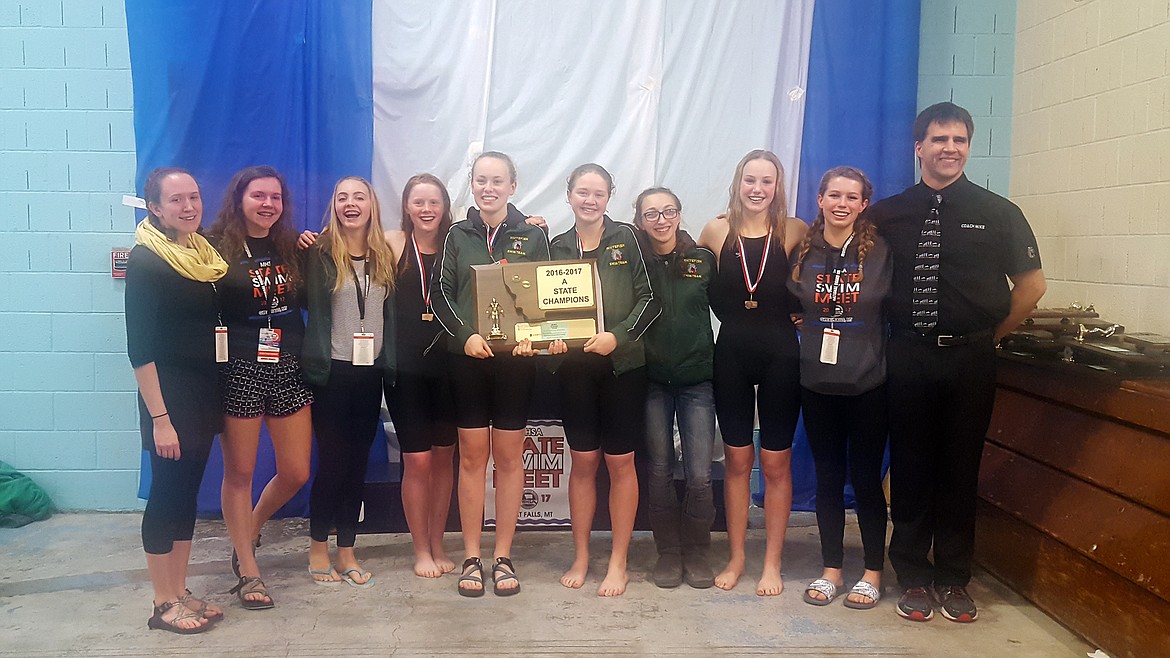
[{"x": 255, "y": 289}]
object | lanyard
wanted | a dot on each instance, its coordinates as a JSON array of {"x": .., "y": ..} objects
[
  {"x": 269, "y": 303},
  {"x": 218, "y": 312},
  {"x": 361, "y": 295},
  {"x": 838, "y": 270},
  {"x": 423, "y": 280},
  {"x": 491, "y": 237},
  {"x": 747, "y": 281}
]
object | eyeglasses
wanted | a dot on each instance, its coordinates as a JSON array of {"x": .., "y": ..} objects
[{"x": 668, "y": 214}]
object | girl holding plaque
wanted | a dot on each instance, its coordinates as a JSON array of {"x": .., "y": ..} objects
[
  {"x": 172, "y": 336},
  {"x": 679, "y": 352},
  {"x": 349, "y": 346},
  {"x": 261, "y": 299},
  {"x": 603, "y": 387},
  {"x": 491, "y": 390},
  {"x": 756, "y": 347},
  {"x": 841, "y": 278}
]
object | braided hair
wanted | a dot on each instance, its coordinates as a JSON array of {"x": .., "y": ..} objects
[{"x": 863, "y": 228}]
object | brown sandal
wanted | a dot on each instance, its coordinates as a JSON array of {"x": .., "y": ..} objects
[
  {"x": 252, "y": 585},
  {"x": 158, "y": 623},
  {"x": 200, "y": 606}
]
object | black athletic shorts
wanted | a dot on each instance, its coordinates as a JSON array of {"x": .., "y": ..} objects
[
  {"x": 422, "y": 410},
  {"x": 602, "y": 410},
  {"x": 491, "y": 392}
]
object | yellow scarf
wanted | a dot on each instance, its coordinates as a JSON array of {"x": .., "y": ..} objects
[{"x": 198, "y": 262}]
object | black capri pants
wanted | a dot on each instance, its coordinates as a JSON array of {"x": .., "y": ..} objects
[{"x": 195, "y": 407}]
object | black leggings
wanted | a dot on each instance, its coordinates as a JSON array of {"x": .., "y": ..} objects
[
  {"x": 170, "y": 510},
  {"x": 345, "y": 420},
  {"x": 848, "y": 432}
]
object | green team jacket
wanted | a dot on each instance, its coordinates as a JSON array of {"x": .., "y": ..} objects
[
  {"x": 453, "y": 293},
  {"x": 626, "y": 291},
  {"x": 316, "y": 353},
  {"x": 680, "y": 345}
]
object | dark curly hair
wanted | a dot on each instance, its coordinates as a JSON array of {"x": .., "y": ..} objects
[{"x": 229, "y": 230}]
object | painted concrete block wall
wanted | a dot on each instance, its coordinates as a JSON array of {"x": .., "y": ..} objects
[
  {"x": 1091, "y": 152},
  {"x": 67, "y": 394},
  {"x": 965, "y": 56}
]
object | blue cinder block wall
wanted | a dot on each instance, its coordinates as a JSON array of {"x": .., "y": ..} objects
[
  {"x": 67, "y": 401},
  {"x": 966, "y": 55}
]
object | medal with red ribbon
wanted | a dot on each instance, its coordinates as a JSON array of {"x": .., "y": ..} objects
[
  {"x": 491, "y": 238},
  {"x": 427, "y": 314},
  {"x": 750, "y": 302}
]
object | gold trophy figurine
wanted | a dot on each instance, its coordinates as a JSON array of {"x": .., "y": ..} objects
[{"x": 495, "y": 312}]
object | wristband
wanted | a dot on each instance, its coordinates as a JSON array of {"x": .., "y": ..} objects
[{"x": 165, "y": 413}]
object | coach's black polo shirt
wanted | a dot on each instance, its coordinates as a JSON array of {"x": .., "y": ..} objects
[{"x": 985, "y": 238}]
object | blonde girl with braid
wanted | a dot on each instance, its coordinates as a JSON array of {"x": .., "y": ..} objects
[{"x": 841, "y": 278}]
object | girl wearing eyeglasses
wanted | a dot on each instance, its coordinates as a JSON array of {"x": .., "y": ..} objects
[{"x": 679, "y": 352}]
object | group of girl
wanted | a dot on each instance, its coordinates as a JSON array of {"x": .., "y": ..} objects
[{"x": 391, "y": 312}]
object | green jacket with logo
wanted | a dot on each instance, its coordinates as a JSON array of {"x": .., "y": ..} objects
[
  {"x": 453, "y": 292},
  {"x": 626, "y": 291},
  {"x": 680, "y": 345}
]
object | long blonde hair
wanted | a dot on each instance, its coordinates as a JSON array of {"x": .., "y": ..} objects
[
  {"x": 777, "y": 210},
  {"x": 382, "y": 265}
]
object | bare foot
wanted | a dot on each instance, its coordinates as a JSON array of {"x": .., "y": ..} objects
[
  {"x": 425, "y": 567},
  {"x": 729, "y": 578},
  {"x": 574, "y": 578},
  {"x": 770, "y": 583},
  {"x": 443, "y": 562},
  {"x": 614, "y": 584}
]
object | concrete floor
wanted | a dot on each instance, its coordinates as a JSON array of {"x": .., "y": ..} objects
[{"x": 77, "y": 585}]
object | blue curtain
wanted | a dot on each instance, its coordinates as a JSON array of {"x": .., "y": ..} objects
[
  {"x": 296, "y": 93},
  {"x": 861, "y": 100}
]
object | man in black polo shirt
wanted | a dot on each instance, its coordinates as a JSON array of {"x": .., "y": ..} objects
[{"x": 955, "y": 246}]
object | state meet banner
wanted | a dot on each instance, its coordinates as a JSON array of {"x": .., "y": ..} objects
[{"x": 545, "y": 501}]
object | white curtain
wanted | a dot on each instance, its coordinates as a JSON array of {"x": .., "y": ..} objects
[{"x": 657, "y": 91}]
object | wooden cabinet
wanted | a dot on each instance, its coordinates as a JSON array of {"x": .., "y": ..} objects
[{"x": 1074, "y": 509}]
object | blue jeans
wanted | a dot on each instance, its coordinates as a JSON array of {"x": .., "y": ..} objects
[{"x": 680, "y": 526}]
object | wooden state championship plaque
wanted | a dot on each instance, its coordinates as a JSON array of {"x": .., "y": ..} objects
[{"x": 543, "y": 302}]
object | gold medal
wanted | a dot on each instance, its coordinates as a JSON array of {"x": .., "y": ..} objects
[
  {"x": 427, "y": 317},
  {"x": 750, "y": 304}
]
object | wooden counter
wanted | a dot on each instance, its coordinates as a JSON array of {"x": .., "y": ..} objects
[{"x": 1074, "y": 509}]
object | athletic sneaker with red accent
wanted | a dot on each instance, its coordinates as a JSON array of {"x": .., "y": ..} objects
[
  {"x": 915, "y": 604},
  {"x": 955, "y": 603}
]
